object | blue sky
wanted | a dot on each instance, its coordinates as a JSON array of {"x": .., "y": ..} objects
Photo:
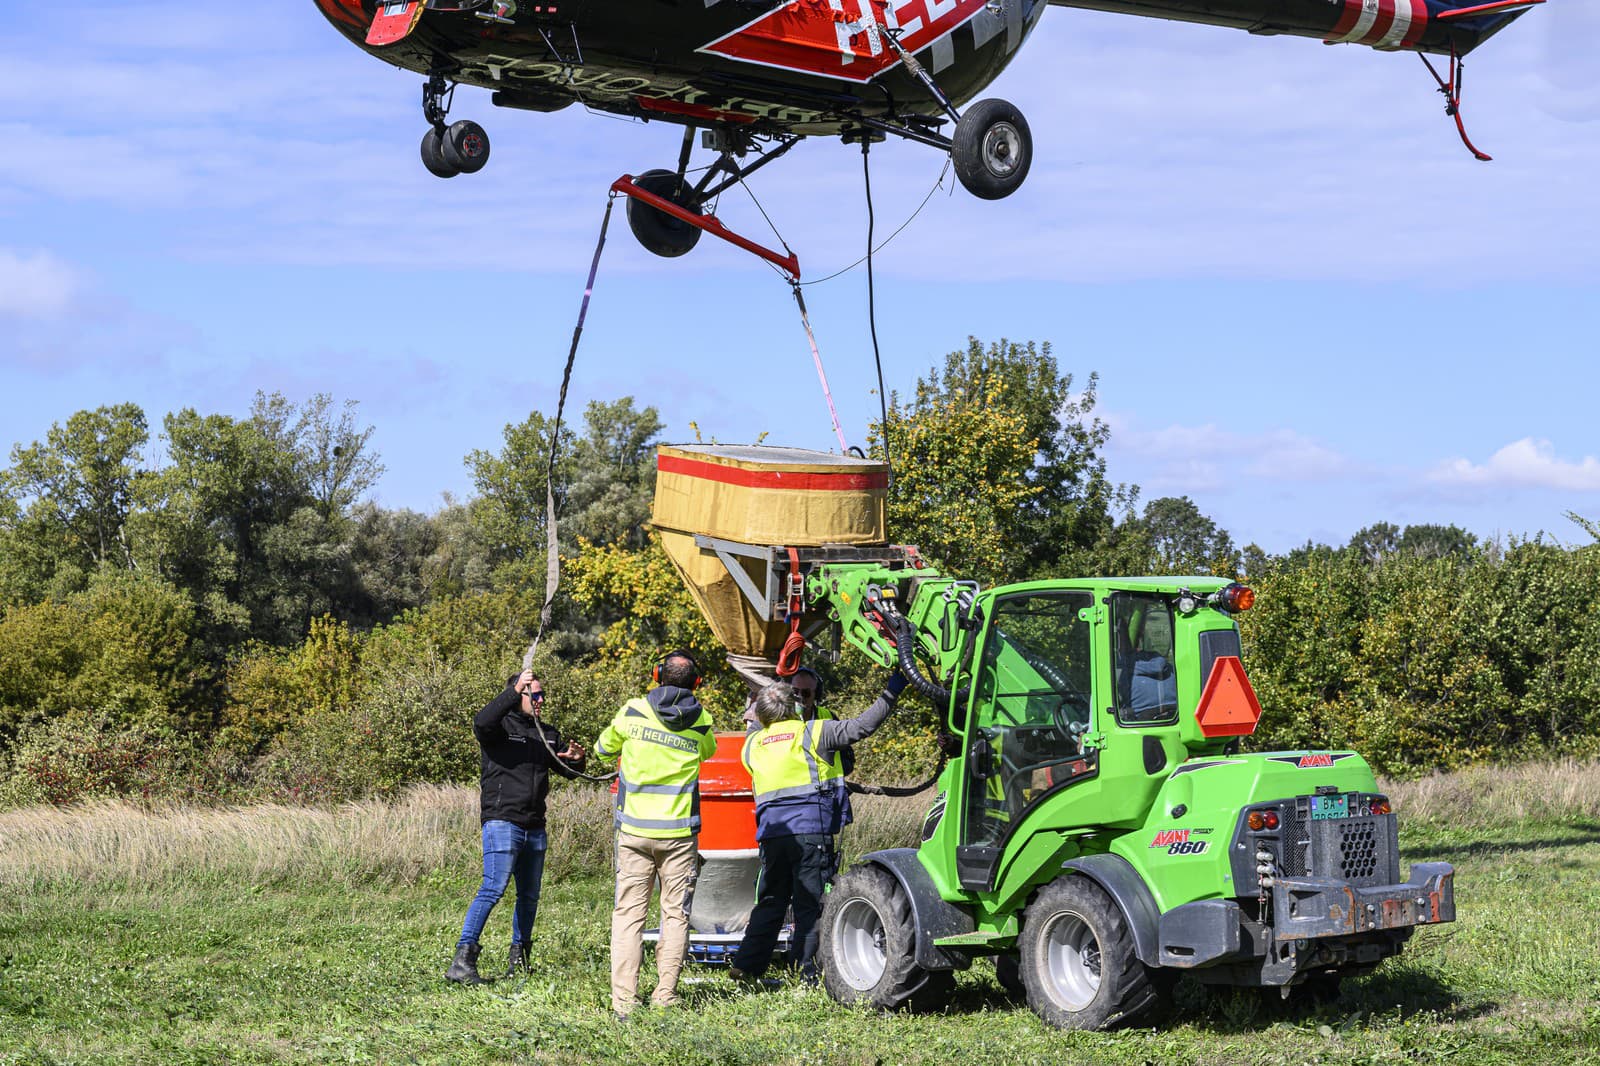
[{"x": 1310, "y": 309}]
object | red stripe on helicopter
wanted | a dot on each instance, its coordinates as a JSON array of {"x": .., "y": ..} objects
[
  {"x": 842, "y": 38},
  {"x": 677, "y": 107},
  {"x": 1346, "y": 23},
  {"x": 1382, "y": 22},
  {"x": 1419, "y": 23},
  {"x": 1385, "y": 24},
  {"x": 348, "y": 12}
]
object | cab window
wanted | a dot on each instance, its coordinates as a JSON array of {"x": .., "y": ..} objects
[
  {"x": 1032, "y": 704},
  {"x": 1146, "y": 677}
]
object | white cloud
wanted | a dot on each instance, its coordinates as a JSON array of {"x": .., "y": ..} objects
[
  {"x": 1190, "y": 455},
  {"x": 1526, "y": 463},
  {"x": 36, "y": 285}
]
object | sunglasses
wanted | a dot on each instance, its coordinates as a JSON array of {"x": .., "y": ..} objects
[{"x": 536, "y": 697}]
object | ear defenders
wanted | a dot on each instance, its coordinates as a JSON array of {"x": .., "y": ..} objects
[{"x": 660, "y": 668}]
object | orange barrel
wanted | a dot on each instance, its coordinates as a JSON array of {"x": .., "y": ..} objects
[{"x": 730, "y": 863}]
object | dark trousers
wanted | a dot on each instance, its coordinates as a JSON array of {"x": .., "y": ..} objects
[{"x": 794, "y": 872}]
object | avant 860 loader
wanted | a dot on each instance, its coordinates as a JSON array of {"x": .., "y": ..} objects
[{"x": 1096, "y": 829}]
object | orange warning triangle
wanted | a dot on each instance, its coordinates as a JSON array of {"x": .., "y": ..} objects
[{"x": 1228, "y": 706}]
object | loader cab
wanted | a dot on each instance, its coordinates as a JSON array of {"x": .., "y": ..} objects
[
  {"x": 1031, "y": 702},
  {"x": 1074, "y": 687}
]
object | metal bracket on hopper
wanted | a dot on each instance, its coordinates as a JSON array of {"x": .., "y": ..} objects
[
  {"x": 771, "y": 601},
  {"x": 726, "y": 550}
]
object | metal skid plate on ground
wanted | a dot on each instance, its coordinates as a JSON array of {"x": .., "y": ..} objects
[{"x": 718, "y": 949}]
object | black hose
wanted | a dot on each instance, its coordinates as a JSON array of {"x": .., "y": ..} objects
[
  {"x": 903, "y": 644},
  {"x": 908, "y": 662},
  {"x": 898, "y": 791}
]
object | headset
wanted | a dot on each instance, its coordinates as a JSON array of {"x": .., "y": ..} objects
[
  {"x": 660, "y": 667},
  {"x": 813, "y": 675}
]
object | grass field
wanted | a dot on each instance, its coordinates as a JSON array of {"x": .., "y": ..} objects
[{"x": 286, "y": 934}]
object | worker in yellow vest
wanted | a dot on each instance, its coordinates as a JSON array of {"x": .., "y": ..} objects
[
  {"x": 661, "y": 740},
  {"x": 800, "y": 807},
  {"x": 808, "y": 694}
]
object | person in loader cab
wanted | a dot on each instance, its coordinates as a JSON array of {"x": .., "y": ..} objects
[
  {"x": 661, "y": 739},
  {"x": 800, "y": 807},
  {"x": 514, "y": 782}
]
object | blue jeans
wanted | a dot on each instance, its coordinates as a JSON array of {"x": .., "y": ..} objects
[{"x": 508, "y": 851}]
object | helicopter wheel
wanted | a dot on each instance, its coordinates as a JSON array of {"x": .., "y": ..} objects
[
  {"x": 992, "y": 149},
  {"x": 433, "y": 156},
  {"x": 658, "y": 231},
  {"x": 466, "y": 146}
]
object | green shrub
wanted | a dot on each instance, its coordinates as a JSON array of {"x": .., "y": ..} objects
[
  {"x": 76, "y": 757},
  {"x": 123, "y": 648}
]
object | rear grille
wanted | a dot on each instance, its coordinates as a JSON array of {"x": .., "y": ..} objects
[
  {"x": 1362, "y": 851},
  {"x": 1293, "y": 860},
  {"x": 1358, "y": 849}
]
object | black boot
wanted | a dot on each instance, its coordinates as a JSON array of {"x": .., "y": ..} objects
[
  {"x": 464, "y": 968},
  {"x": 519, "y": 961}
]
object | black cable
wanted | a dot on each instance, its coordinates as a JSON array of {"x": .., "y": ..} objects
[
  {"x": 937, "y": 185},
  {"x": 872, "y": 311}
]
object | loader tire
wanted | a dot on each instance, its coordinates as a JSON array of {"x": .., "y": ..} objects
[
  {"x": 868, "y": 947},
  {"x": 1078, "y": 962}
]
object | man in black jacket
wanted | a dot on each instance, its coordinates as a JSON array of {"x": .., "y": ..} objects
[{"x": 514, "y": 782}]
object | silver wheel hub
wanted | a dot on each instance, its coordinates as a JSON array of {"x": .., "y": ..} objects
[
  {"x": 1002, "y": 149},
  {"x": 1072, "y": 962},
  {"x": 860, "y": 951}
]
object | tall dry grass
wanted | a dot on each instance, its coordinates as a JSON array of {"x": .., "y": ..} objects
[
  {"x": 432, "y": 828},
  {"x": 1484, "y": 796},
  {"x": 429, "y": 828}
]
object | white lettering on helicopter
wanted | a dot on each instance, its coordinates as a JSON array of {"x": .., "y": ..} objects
[
  {"x": 844, "y": 38},
  {"x": 605, "y": 88}
]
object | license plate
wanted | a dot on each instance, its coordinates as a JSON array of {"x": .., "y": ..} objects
[{"x": 1325, "y": 807}]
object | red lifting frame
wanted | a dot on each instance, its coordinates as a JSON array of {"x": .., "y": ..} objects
[{"x": 789, "y": 264}]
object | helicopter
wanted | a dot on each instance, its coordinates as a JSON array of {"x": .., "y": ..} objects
[{"x": 754, "y": 77}]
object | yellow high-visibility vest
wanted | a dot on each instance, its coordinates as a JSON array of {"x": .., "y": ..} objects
[
  {"x": 783, "y": 763},
  {"x": 658, "y": 780}
]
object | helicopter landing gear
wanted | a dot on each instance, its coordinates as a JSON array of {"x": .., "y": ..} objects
[
  {"x": 659, "y": 232},
  {"x": 992, "y": 149},
  {"x": 457, "y": 148},
  {"x": 669, "y": 236}
]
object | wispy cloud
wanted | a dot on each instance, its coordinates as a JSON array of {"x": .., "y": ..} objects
[
  {"x": 35, "y": 285},
  {"x": 1206, "y": 457},
  {"x": 1526, "y": 463}
]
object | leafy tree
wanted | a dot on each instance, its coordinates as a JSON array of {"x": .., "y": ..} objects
[
  {"x": 208, "y": 520},
  {"x": 604, "y": 480},
  {"x": 1182, "y": 540},
  {"x": 509, "y": 510},
  {"x": 1428, "y": 541},
  {"x": 334, "y": 463},
  {"x": 612, "y": 475},
  {"x": 997, "y": 465},
  {"x": 1376, "y": 543},
  {"x": 398, "y": 559},
  {"x": 1382, "y": 541},
  {"x": 254, "y": 516},
  {"x": 653, "y": 613},
  {"x": 71, "y": 496}
]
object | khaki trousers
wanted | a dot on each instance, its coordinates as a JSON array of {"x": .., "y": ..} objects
[{"x": 640, "y": 863}]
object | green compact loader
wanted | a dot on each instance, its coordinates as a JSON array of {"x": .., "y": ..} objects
[{"x": 1096, "y": 829}]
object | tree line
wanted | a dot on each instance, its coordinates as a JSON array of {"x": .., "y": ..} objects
[{"x": 222, "y": 614}]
